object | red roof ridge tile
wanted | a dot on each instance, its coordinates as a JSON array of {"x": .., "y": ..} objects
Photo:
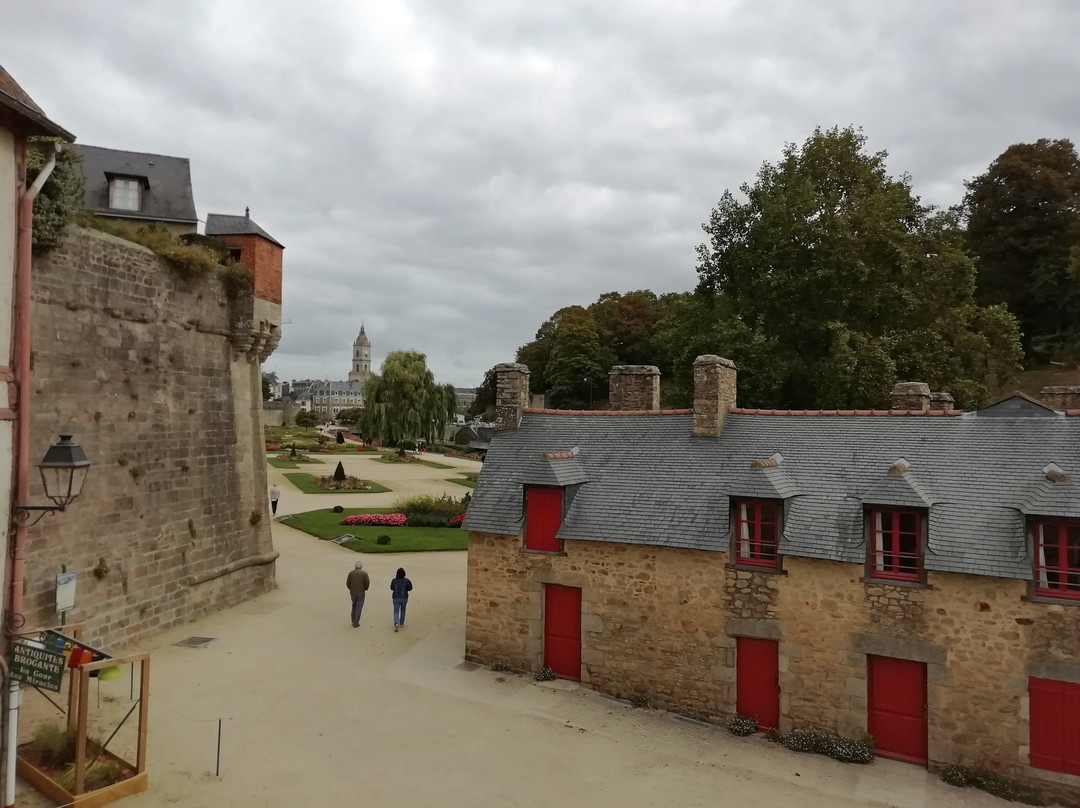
[
  {"x": 544, "y": 411},
  {"x": 879, "y": 413},
  {"x": 1072, "y": 412},
  {"x": 557, "y": 455}
]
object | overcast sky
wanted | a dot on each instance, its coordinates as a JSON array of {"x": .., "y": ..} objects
[{"x": 452, "y": 172}]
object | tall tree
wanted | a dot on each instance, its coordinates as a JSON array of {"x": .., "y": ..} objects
[
  {"x": 484, "y": 403},
  {"x": 575, "y": 371},
  {"x": 1024, "y": 226},
  {"x": 840, "y": 275},
  {"x": 404, "y": 404}
]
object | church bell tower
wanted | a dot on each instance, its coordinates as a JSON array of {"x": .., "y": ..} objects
[{"x": 361, "y": 358}]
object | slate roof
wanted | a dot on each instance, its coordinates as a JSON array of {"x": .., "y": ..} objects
[
  {"x": 651, "y": 482},
  {"x": 18, "y": 109},
  {"x": 166, "y": 196},
  {"x": 221, "y": 224}
]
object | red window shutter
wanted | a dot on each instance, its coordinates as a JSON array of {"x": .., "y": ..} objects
[
  {"x": 543, "y": 515},
  {"x": 1055, "y": 725}
]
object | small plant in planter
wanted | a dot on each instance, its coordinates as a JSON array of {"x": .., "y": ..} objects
[
  {"x": 499, "y": 666},
  {"x": 639, "y": 701},
  {"x": 742, "y": 725},
  {"x": 545, "y": 674}
]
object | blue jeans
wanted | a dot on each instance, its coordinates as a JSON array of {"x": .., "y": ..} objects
[
  {"x": 357, "y": 608},
  {"x": 399, "y": 610}
]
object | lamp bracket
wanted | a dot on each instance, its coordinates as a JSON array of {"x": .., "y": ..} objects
[{"x": 21, "y": 513}]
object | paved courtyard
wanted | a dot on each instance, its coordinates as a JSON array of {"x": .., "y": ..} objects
[{"x": 317, "y": 713}]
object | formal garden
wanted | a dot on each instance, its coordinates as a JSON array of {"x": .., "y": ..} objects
[{"x": 413, "y": 524}]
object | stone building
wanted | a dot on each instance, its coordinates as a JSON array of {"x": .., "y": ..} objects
[
  {"x": 911, "y": 574},
  {"x": 139, "y": 188},
  {"x": 328, "y": 398}
]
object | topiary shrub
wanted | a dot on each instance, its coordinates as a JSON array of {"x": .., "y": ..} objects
[
  {"x": 384, "y": 539},
  {"x": 339, "y": 473},
  {"x": 338, "y": 509},
  {"x": 742, "y": 725},
  {"x": 992, "y": 783}
]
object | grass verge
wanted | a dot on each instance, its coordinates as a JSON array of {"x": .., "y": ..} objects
[
  {"x": 429, "y": 463},
  {"x": 468, "y": 482},
  {"x": 310, "y": 485},
  {"x": 325, "y": 524},
  {"x": 291, "y": 464}
]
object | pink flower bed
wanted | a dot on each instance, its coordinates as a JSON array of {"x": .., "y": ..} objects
[
  {"x": 381, "y": 519},
  {"x": 457, "y": 520},
  {"x": 272, "y": 448}
]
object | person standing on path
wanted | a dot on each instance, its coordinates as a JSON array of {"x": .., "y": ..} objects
[
  {"x": 400, "y": 587},
  {"x": 275, "y": 495},
  {"x": 358, "y": 583}
]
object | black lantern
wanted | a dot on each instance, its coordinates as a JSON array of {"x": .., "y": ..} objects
[{"x": 63, "y": 472}]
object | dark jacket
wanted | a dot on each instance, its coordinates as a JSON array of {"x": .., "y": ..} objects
[
  {"x": 400, "y": 588},
  {"x": 358, "y": 582}
]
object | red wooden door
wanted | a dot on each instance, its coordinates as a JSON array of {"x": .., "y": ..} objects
[
  {"x": 562, "y": 630},
  {"x": 897, "y": 707},
  {"x": 757, "y": 680},
  {"x": 1055, "y": 725}
]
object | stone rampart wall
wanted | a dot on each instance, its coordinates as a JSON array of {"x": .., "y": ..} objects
[{"x": 142, "y": 367}]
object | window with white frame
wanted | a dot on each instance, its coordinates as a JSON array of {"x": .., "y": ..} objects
[{"x": 125, "y": 194}]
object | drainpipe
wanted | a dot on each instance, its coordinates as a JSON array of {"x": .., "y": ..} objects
[{"x": 22, "y": 449}]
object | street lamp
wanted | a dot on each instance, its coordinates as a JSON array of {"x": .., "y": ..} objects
[
  {"x": 63, "y": 472},
  {"x": 587, "y": 379}
]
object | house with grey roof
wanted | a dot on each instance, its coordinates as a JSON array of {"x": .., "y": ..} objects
[
  {"x": 911, "y": 574},
  {"x": 139, "y": 188}
]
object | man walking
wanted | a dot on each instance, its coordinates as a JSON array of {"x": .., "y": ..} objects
[
  {"x": 358, "y": 583},
  {"x": 275, "y": 495}
]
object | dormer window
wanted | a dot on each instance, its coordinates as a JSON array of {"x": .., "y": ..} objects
[
  {"x": 1057, "y": 559},
  {"x": 125, "y": 193},
  {"x": 896, "y": 545},
  {"x": 757, "y": 533}
]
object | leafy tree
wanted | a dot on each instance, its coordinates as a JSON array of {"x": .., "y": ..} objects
[
  {"x": 834, "y": 272},
  {"x": 268, "y": 380},
  {"x": 483, "y": 405},
  {"x": 405, "y": 403},
  {"x": 307, "y": 418},
  {"x": 62, "y": 195},
  {"x": 350, "y": 416},
  {"x": 575, "y": 371},
  {"x": 626, "y": 326},
  {"x": 1023, "y": 221}
]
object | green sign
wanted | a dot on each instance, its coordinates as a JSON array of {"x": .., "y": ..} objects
[{"x": 37, "y": 667}]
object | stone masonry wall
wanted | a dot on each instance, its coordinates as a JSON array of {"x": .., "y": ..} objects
[
  {"x": 142, "y": 367},
  {"x": 634, "y": 387},
  {"x": 662, "y": 623}
]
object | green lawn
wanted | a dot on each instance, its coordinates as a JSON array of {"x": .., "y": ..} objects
[
  {"x": 309, "y": 485},
  {"x": 291, "y": 464},
  {"x": 468, "y": 482},
  {"x": 325, "y": 524},
  {"x": 430, "y": 463}
]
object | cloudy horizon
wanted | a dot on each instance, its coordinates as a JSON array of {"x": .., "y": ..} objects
[{"x": 449, "y": 175}]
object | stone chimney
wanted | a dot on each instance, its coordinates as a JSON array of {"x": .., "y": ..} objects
[
  {"x": 634, "y": 387},
  {"x": 910, "y": 396},
  {"x": 1061, "y": 397},
  {"x": 942, "y": 401},
  {"x": 714, "y": 394},
  {"x": 511, "y": 394}
]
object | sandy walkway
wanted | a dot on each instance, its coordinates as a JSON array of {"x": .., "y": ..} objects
[{"x": 317, "y": 713}]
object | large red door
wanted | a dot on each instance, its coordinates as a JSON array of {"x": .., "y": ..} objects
[
  {"x": 897, "y": 707},
  {"x": 757, "y": 680},
  {"x": 562, "y": 630},
  {"x": 1055, "y": 725}
]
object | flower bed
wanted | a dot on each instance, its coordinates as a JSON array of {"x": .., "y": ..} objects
[
  {"x": 467, "y": 455},
  {"x": 381, "y": 519},
  {"x": 455, "y": 521},
  {"x": 393, "y": 457},
  {"x": 348, "y": 484}
]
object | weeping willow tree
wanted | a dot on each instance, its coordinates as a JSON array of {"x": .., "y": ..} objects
[{"x": 404, "y": 404}]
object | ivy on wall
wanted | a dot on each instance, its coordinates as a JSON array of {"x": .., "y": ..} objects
[{"x": 60, "y": 198}]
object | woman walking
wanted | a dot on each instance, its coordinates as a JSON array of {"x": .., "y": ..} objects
[{"x": 400, "y": 587}]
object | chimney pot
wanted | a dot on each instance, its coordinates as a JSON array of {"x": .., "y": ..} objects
[
  {"x": 634, "y": 387},
  {"x": 942, "y": 401},
  {"x": 910, "y": 396},
  {"x": 715, "y": 387}
]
